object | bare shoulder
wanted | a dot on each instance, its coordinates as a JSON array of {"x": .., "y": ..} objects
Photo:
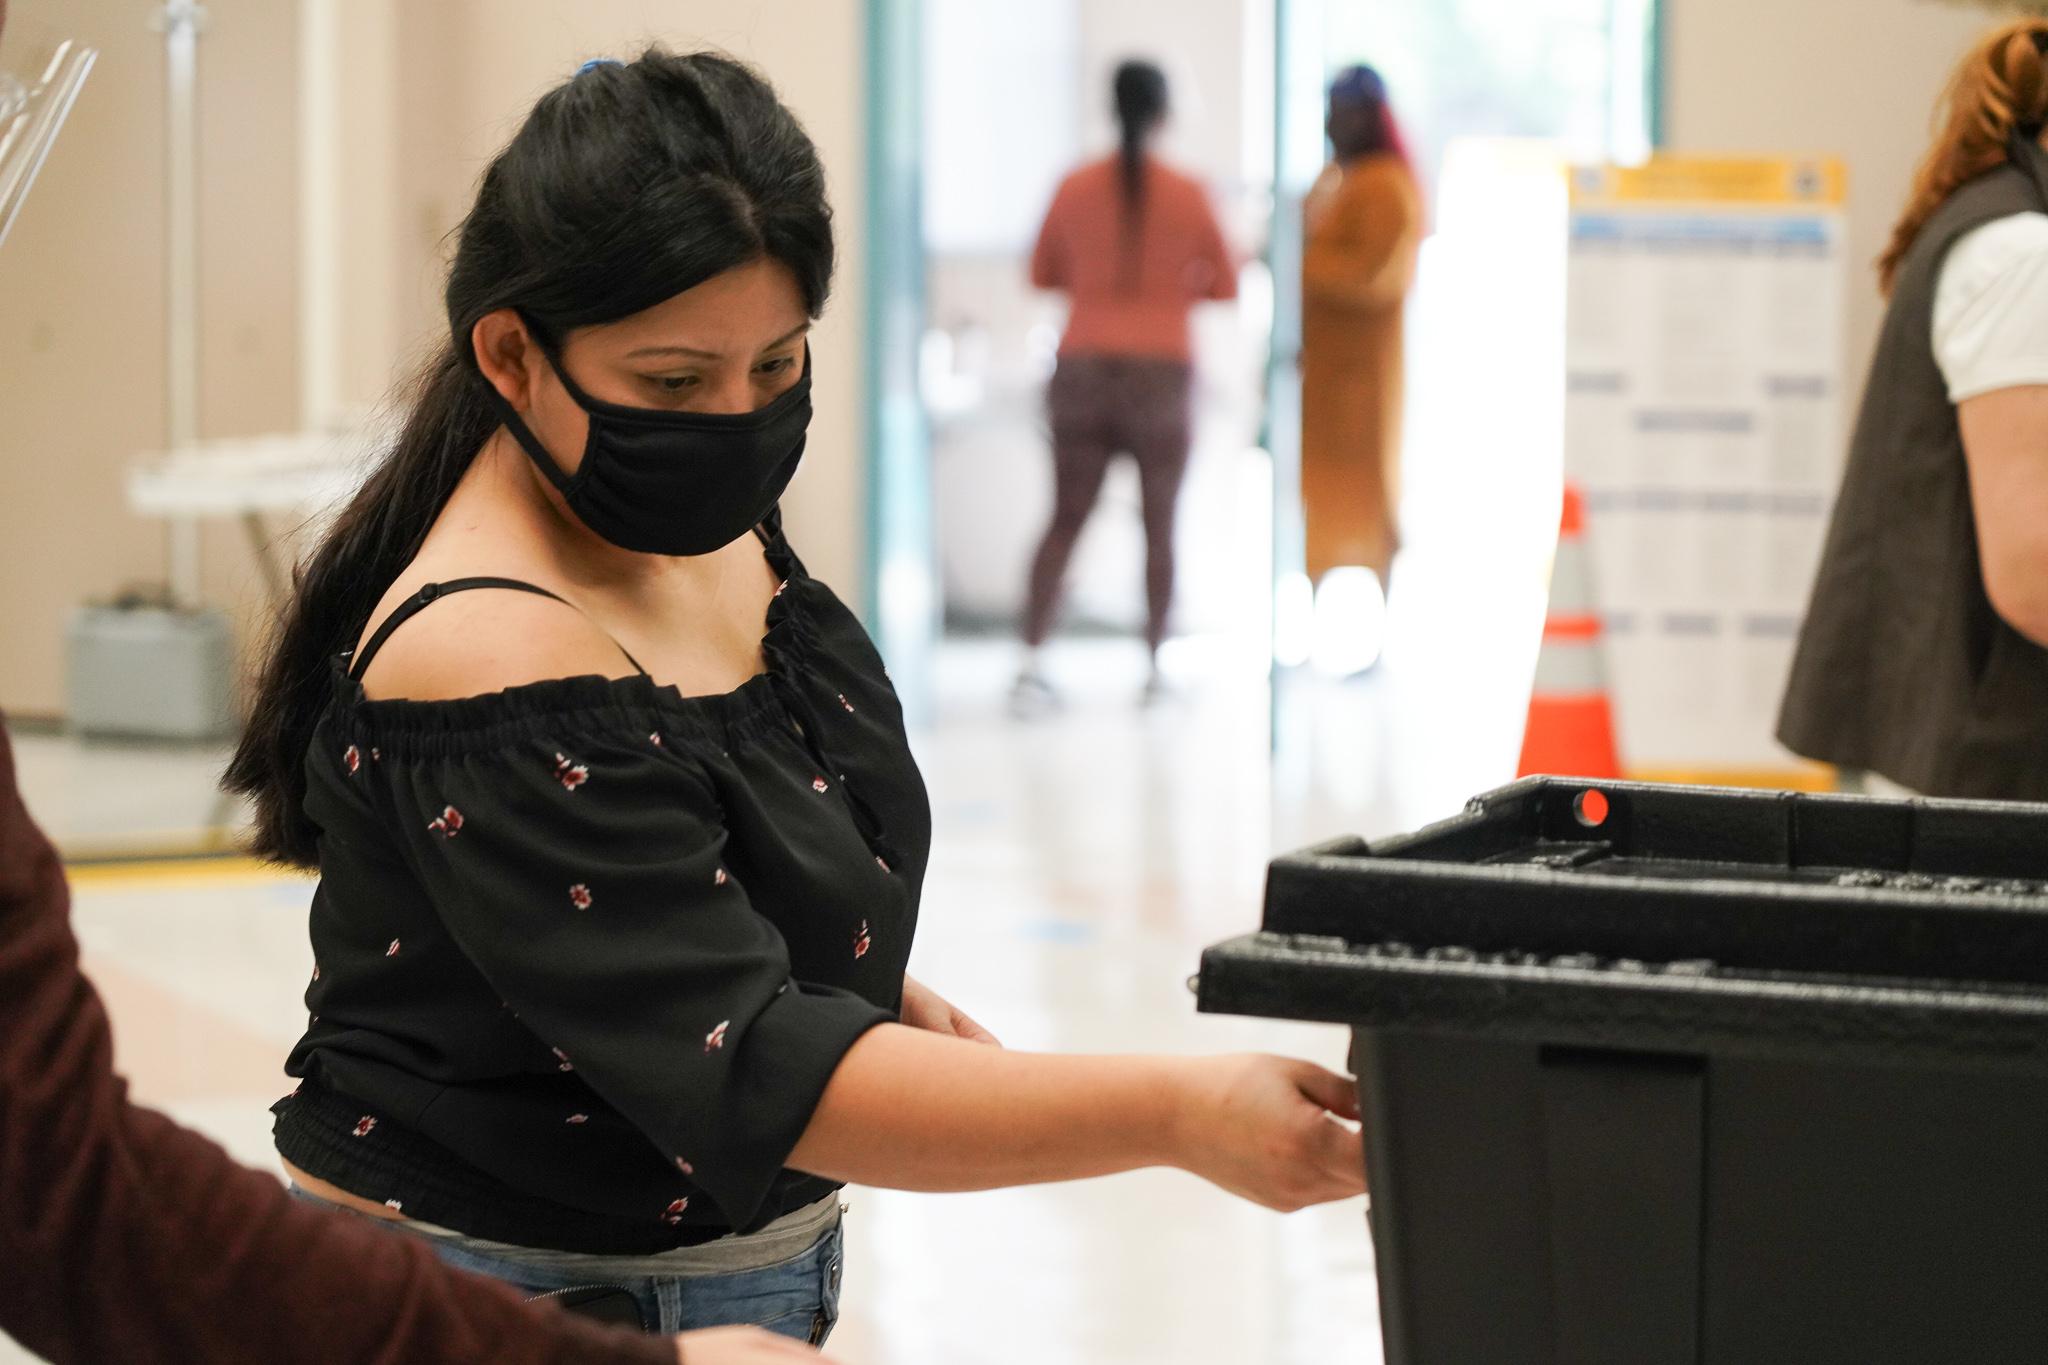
[{"x": 483, "y": 640}]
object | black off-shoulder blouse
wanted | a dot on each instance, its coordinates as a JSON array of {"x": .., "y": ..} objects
[{"x": 588, "y": 950}]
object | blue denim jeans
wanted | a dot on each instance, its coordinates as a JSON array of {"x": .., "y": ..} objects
[{"x": 797, "y": 1297}]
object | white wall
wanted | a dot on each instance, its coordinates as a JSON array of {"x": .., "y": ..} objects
[
  {"x": 1002, "y": 119},
  {"x": 82, "y": 348},
  {"x": 1853, "y": 78}
]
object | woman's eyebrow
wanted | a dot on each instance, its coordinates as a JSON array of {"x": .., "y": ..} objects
[{"x": 782, "y": 340}]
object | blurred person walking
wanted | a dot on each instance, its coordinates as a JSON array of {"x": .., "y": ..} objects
[
  {"x": 1924, "y": 657},
  {"x": 1135, "y": 245},
  {"x": 1361, "y": 227}
]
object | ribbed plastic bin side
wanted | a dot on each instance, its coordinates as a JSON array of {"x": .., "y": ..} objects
[{"x": 1715, "y": 1077}]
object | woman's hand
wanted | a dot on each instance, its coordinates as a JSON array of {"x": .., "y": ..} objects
[
  {"x": 1266, "y": 1128},
  {"x": 925, "y": 1008},
  {"x": 740, "y": 1346}
]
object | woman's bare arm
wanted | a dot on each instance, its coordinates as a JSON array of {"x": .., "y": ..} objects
[
  {"x": 2005, "y": 443},
  {"x": 919, "y": 1111}
]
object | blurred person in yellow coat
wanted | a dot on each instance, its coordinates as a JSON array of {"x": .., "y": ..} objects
[{"x": 1362, "y": 224}]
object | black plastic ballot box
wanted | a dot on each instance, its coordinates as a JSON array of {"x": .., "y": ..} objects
[{"x": 1665, "y": 1074}]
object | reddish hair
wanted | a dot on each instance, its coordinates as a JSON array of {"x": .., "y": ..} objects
[
  {"x": 1397, "y": 141},
  {"x": 2000, "y": 87}
]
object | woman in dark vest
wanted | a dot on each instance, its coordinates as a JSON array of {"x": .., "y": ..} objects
[
  {"x": 619, "y": 834},
  {"x": 1924, "y": 658}
]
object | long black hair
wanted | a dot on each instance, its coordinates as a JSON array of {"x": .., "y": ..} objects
[
  {"x": 628, "y": 184},
  {"x": 1139, "y": 92}
]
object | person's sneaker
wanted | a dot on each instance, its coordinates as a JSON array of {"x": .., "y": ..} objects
[{"x": 1032, "y": 696}]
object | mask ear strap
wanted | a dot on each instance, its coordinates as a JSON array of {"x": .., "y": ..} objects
[{"x": 528, "y": 441}]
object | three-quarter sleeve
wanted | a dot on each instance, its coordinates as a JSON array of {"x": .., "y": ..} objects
[{"x": 585, "y": 874}]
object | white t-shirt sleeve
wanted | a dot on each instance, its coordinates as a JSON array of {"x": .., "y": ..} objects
[{"x": 1991, "y": 308}]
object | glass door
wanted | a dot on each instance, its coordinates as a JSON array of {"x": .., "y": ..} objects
[{"x": 1493, "y": 98}]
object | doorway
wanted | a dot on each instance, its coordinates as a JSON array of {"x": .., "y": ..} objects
[
  {"x": 977, "y": 110},
  {"x": 1494, "y": 99},
  {"x": 1015, "y": 98}
]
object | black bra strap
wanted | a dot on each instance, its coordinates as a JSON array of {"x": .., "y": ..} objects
[{"x": 418, "y": 602}]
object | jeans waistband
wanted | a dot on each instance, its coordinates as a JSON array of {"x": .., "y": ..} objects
[{"x": 782, "y": 1240}]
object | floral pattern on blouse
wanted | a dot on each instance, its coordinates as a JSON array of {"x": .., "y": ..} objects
[{"x": 730, "y": 893}]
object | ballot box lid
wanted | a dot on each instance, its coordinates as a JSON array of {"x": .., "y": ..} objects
[{"x": 1637, "y": 915}]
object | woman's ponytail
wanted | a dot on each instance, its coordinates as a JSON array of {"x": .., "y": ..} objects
[{"x": 1139, "y": 91}]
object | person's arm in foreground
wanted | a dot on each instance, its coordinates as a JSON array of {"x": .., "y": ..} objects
[
  {"x": 127, "y": 1238},
  {"x": 2005, "y": 443}
]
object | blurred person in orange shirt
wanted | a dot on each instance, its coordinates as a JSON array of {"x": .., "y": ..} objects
[
  {"x": 1362, "y": 225},
  {"x": 1135, "y": 245}
]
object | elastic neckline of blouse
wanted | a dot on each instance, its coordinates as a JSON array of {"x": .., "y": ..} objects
[{"x": 784, "y": 641}]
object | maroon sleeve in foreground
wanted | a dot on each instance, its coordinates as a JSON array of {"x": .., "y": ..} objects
[{"x": 127, "y": 1238}]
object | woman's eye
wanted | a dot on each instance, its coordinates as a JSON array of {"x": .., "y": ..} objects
[
  {"x": 675, "y": 383},
  {"x": 779, "y": 365}
]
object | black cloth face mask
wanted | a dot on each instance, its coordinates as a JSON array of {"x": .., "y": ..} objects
[{"x": 674, "y": 483}]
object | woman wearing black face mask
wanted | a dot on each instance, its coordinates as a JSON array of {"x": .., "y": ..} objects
[{"x": 619, "y": 836}]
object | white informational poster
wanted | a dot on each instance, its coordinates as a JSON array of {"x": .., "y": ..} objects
[{"x": 1704, "y": 414}]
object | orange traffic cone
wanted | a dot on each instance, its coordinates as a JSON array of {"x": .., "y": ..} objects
[{"x": 1571, "y": 723}]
